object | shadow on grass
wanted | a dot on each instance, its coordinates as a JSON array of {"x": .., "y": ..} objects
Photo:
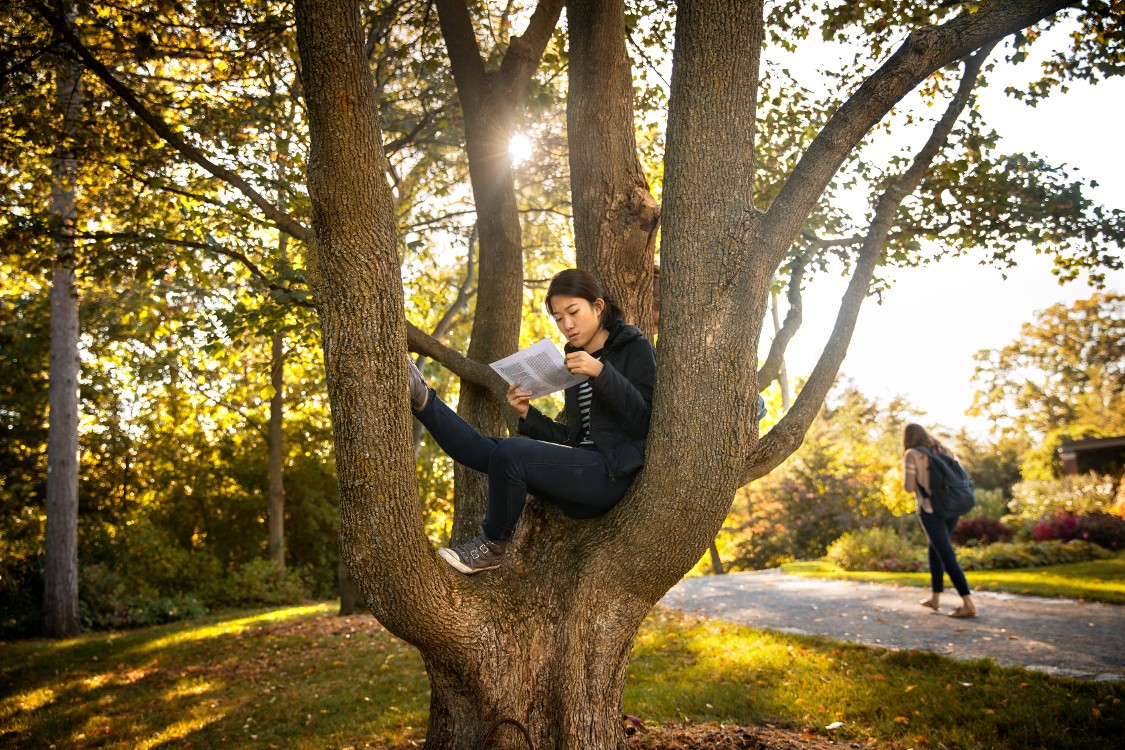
[{"x": 295, "y": 677}]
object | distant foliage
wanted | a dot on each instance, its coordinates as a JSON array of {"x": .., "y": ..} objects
[
  {"x": 847, "y": 474},
  {"x": 1085, "y": 493},
  {"x": 257, "y": 583},
  {"x": 122, "y": 598},
  {"x": 109, "y": 599},
  {"x": 990, "y": 504},
  {"x": 876, "y": 548},
  {"x": 980, "y": 531},
  {"x": 1008, "y": 555}
]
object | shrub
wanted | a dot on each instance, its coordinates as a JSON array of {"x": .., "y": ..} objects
[
  {"x": 109, "y": 599},
  {"x": 1104, "y": 529},
  {"x": 1085, "y": 493},
  {"x": 990, "y": 504},
  {"x": 258, "y": 582},
  {"x": 980, "y": 531},
  {"x": 876, "y": 548},
  {"x": 1004, "y": 555},
  {"x": 1061, "y": 526}
]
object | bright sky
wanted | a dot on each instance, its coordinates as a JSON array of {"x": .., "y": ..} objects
[{"x": 977, "y": 306}]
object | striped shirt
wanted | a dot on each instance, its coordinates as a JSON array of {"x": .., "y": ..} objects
[{"x": 585, "y": 397}]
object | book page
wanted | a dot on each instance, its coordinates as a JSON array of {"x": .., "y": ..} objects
[{"x": 539, "y": 368}]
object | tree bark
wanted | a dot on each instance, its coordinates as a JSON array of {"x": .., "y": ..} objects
[
  {"x": 545, "y": 639},
  {"x": 615, "y": 215},
  {"x": 60, "y": 575},
  {"x": 277, "y": 450}
]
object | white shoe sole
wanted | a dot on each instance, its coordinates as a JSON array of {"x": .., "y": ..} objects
[{"x": 455, "y": 562}]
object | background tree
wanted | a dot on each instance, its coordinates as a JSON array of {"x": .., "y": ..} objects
[
  {"x": 60, "y": 578},
  {"x": 846, "y": 475},
  {"x": 1067, "y": 367}
]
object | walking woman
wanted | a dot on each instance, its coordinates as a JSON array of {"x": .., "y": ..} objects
[
  {"x": 939, "y": 531},
  {"x": 583, "y": 467}
]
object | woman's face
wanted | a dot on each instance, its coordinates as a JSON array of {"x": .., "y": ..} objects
[{"x": 578, "y": 319}]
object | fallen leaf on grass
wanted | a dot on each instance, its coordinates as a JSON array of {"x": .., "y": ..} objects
[{"x": 901, "y": 720}]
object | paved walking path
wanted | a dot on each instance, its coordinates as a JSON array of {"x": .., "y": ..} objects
[{"x": 1062, "y": 637}]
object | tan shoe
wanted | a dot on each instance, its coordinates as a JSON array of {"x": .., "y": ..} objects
[{"x": 963, "y": 612}]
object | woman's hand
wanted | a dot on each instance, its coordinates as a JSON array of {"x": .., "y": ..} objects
[
  {"x": 518, "y": 399},
  {"x": 581, "y": 363}
]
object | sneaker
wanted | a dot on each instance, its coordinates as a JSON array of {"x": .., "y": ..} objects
[
  {"x": 419, "y": 391},
  {"x": 476, "y": 556}
]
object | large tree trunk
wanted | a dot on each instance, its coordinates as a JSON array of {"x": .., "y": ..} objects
[
  {"x": 545, "y": 640},
  {"x": 60, "y": 575},
  {"x": 615, "y": 216}
]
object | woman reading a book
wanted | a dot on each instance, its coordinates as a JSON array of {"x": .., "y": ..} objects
[{"x": 583, "y": 467}]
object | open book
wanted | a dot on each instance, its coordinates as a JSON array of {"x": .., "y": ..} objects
[{"x": 539, "y": 368}]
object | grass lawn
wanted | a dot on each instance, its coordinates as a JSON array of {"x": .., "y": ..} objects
[
  {"x": 1098, "y": 581},
  {"x": 300, "y": 677}
]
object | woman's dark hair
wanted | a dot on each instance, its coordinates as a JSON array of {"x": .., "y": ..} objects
[
  {"x": 915, "y": 435},
  {"x": 574, "y": 282}
]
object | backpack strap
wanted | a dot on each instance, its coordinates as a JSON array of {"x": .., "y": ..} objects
[{"x": 926, "y": 452}]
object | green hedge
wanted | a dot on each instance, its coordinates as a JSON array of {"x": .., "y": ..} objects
[{"x": 1007, "y": 555}]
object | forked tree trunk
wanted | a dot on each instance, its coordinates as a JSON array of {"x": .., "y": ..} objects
[
  {"x": 60, "y": 575},
  {"x": 545, "y": 640},
  {"x": 548, "y": 648}
]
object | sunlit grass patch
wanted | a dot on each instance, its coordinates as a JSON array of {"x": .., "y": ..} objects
[
  {"x": 292, "y": 677},
  {"x": 1097, "y": 580},
  {"x": 693, "y": 669},
  {"x": 308, "y": 679}
]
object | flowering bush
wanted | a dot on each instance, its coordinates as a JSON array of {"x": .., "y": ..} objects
[
  {"x": 1062, "y": 526},
  {"x": 1085, "y": 493},
  {"x": 876, "y": 548},
  {"x": 1104, "y": 529},
  {"x": 980, "y": 531}
]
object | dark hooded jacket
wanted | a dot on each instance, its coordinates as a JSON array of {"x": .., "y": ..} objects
[{"x": 620, "y": 408}]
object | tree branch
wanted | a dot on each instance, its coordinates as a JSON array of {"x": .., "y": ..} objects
[
  {"x": 468, "y": 370},
  {"x": 464, "y": 52},
  {"x": 463, "y": 293},
  {"x": 525, "y": 52},
  {"x": 787, "y": 434},
  {"x": 771, "y": 368},
  {"x": 924, "y": 51},
  {"x": 196, "y": 245},
  {"x": 283, "y": 221}
]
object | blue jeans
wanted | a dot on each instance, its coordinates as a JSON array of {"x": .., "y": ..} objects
[
  {"x": 574, "y": 480},
  {"x": 942, "y": 557}
]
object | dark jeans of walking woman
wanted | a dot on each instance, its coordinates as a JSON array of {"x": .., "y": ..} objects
[
  {"x": 517, "y": 466},
  {"x": 943, "y": 559}
]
